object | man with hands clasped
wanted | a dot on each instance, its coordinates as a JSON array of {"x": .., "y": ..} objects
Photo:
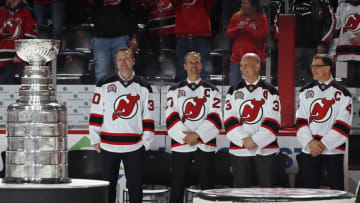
[
  {"x": 323, "y": 122},
  {"x": 252, "y": 122},
  {"x": 193, "y": 120},
  {"x": 122, "y": 124}
]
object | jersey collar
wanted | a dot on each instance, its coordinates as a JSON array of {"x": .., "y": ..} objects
[
  {"x": 323, "y": 86},
  {"x": 252, "y": 86},
  {"x": 193, "y": 85},
  {"x": 127, "y": 82}
]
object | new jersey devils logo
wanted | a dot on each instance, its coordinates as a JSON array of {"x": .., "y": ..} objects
[
  {"x": 194, "y": 108},
  {"x": 164, "y": 5},
  {"x": 321, "y": 110},
  {"x": 112, "y": 2},
  {"x": 125, "y": 106},
  {"x": 251, "y": 111},
  {"x": 352, "y": 23},
  {"x": 13, "y": 25},
  {"x": 188, "y": 2}
]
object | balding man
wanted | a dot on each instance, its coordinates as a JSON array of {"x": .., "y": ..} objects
[{"x": 252, "y": 121}]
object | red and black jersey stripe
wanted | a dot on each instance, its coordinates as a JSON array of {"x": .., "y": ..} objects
[
  {"x": 273, "y": 145},
  {"x": 336, "y": 33},
  {"x": 210, "y": 143},
  {"x": 301, "y": 122},
  {"x": 215, "y": 119},
  {"x": 341, "y": 147},
  {"x": 348, "y": 49},
  {"x": 234, "y": 146},
  {"x": 231, "y": 123},
  {"x": 317, "y": 137},
  {"x": 148, "y": 125},
  {"x": 7, "y": 54},
  {"x": 271, "y": 125},
  {"x": 120, "y": 138},
  {"x": 96, "y": 119},
  {"x": 342, "y": 128},
  {"x": 176, "y": 144},
  {"x": 172, "y": 119}
]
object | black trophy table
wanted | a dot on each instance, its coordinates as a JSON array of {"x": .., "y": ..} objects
[
  {"x": 265, "y": 195},
  {"x": 78, "y": 191}
]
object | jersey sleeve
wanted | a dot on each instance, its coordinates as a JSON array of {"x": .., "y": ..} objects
[
  {"x": 258, "y": 32},
  {"x": 270, "y": 126},
  {"x": 148, "y": 120},
  {"x": 340, "y": 130},
  {"x": 30, "y": 26},
  {"x": 329, "y": 21},
  {"x": 211, "y": 126},
  {"x": 303, "y": 132},
  {"x": 234, "y": 129},
  {"x": 336, "y": 33},
  {"x": 96, "y": 116},
  {"x": 232, "y": 30},
  {"x": 174, "y": 125}
]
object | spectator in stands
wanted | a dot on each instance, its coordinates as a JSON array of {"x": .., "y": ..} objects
[
  {"x": 323, "y": 122},
  {"x": 115, "y": 28},
  {"x": 314, "y": 24},
  {"x": 56, "y": 8},
  {"x": 346, "y": 44},
  {"x": 252, "y": 122},
  {"x": 192, "y": 29},
  {"x": 277, "y": 7},
  {"x": 16, "y": 22},
  {"x": 161, "y": 24},
  {"x": 248, "y": 29}
]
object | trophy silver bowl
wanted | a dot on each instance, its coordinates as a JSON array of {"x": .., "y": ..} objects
[
  {"x": 37, "y": 51},
  {"x": 36, "y": 128}
]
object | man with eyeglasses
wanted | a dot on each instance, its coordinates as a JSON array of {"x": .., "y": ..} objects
[
  {"x": 122, "y": 124},
  {"x": 323, "y": 122},
  {"x": 193, "y": 120}
]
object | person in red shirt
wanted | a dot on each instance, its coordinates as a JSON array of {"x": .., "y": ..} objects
[
  {"x": 192, "y": 30},
  {"x": 248, "y": 29},
  {"x": 16, "y": 22},
  {"x": 161, "y": 24}
]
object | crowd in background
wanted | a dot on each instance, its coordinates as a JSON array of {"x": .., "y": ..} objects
[{"x": 229, "y": 28}]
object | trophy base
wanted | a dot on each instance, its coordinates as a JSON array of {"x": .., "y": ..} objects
[
  {"x": 78, "y": 191},
  {"x": 11, "y": 180}
]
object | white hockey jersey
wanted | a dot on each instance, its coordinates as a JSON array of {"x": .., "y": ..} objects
[
  {"x": 324, "y": 112},
  {"x": 121, "y": 115},
  {"x": 252, "y": 111},
  {"x": 347, "y": 23},
  {"x": 193, "y": 107}
]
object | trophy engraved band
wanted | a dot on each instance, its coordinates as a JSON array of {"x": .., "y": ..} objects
[{"x": 36, "y": 128}]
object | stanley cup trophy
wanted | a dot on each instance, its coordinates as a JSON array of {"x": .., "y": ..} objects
[{"x": 36, "y": 128}]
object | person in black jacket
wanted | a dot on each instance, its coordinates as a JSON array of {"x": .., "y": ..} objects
[
  {"x": 115, "y": 28},
  {"x": 314, "y": 24}
]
